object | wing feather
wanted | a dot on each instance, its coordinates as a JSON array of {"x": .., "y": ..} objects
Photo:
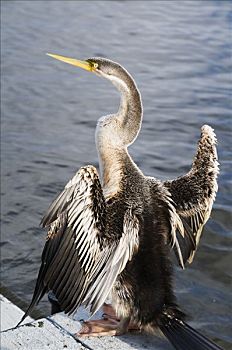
[
  {"x": 81, "y": 260},
  {"x": 193, "y": 195},
  {"x": 118, "y": 255}
]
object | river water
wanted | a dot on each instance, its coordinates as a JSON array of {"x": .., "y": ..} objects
[{"x": 179, "y": 53}]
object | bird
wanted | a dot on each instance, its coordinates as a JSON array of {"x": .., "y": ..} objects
[{"x": 111, "y": 232}]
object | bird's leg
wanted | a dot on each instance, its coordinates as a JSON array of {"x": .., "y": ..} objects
[
  {"x": 110, "y": 314},
  {"x": 109, "y": 325}
]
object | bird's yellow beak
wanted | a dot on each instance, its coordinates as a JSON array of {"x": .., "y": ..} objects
[{"x": 87, "y": 65}]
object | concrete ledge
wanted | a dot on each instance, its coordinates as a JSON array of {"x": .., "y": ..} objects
[
  {"x": 38, "y": 335},
  {"x": 58, "y": 332},
  {"x": 10, "y": 314},
  {"x": 130, "y": 341}
]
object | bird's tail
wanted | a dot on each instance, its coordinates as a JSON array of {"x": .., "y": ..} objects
[{"x": 182, "y": 336}]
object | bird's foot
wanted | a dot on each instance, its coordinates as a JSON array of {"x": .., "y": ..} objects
[
  {"x": 100, "y": 328},
  {"x": 108, "y": 326}
]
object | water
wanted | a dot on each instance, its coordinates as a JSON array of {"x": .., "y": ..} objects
[{"x": 179, "y": 53}]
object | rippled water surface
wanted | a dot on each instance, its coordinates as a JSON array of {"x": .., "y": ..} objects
[{"x": 179, "y": 53}]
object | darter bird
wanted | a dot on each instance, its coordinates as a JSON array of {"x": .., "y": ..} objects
[{"x": 112, "y": 235}]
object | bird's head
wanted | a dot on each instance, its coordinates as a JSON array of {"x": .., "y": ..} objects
[
  {"x": 119, "y": 129},
  {"x": 102, "y": 67}
]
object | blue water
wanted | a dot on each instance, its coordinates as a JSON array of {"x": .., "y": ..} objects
[{"x": 179, "y": 53}]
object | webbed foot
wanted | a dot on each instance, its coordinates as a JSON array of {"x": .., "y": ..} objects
[
  {"x": 104, "y": 327},
  {"x": 108, "y": 326}
]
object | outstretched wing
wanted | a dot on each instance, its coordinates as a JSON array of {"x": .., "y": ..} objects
[
  {"x": 80, "y": 260},
  {"x": 113, "y": 260},
  {"x": 194, "y": 193}
]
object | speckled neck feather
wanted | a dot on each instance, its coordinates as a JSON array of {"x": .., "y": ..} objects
[{"x": 121, "y": 131}]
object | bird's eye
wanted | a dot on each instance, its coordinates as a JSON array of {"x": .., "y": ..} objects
[{"x": 95, "y": 65}]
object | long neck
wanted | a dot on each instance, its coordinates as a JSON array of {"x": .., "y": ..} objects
[
  {"x": 121, "y": 131},
  {"x": 130, "y": 110}
]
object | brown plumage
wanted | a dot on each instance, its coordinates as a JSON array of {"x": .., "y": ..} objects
[{"x": 112, "y": 235}]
